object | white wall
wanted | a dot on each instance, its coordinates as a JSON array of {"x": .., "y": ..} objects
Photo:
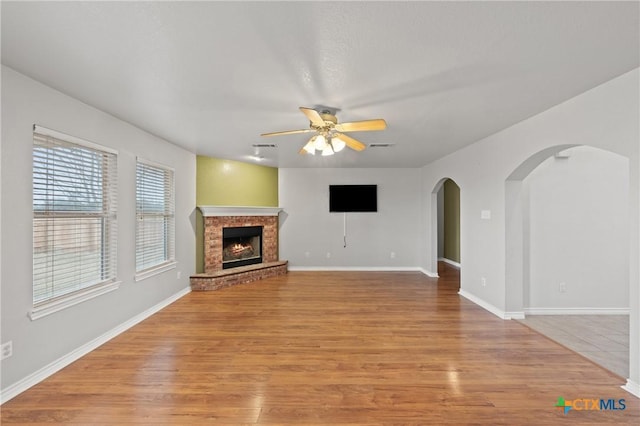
[
  {"x": 41, "y": 342},
  {"x": 578, "y": 231},
  {"x": 308, "y": 231},
  {"x": 605, "y": 117}
]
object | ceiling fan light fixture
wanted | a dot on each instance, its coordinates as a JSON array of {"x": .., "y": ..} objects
[
  {"x": 310, "y": 148},
  {"x": 328, "y": 150},
  {"x": 330, "y": 136},
  {"x": 337, "y": 144},
  {"x": 319, "y": 142}
]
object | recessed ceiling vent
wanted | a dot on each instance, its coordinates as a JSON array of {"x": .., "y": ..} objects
[
  {"x": 265, "y": 145},
  {"x": 381, "y": 145}
]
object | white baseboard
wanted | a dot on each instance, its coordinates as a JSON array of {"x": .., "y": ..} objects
[
  {"x": 450, "y": 262},
  {"x": 489, "y": 307},
  {"x": 429, "y": 273},
  {"x": 632, "y": 387},
  {"x": 365, "y": 269},
  {"x": 357, "y": 268},
  {"x": 577, "y": 311},
  {"x": 485, "y": 305},
  {"x": 57, "y": 365}
]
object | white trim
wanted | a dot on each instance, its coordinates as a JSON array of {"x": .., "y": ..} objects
[
  {"x": 154, "y": 164},
  {"x": 143, "y": 275},
  {"x": 38, "y": 376},
  {"x": 429, "y": 273},
  {"x": 64, "y": 302},
  {"x": 239, "y": 211},
  {"x": 515, "y": 315},
  {"x": 450, "y": 262},
  {"x": 365, "y": 269},
  {"x": 485, "y": 305},
  {"x": 577, "y": 311},
  {"x": 357, "y": 268},
  {"x": 632, "y": 387},
  {"x": 73, "y": 139}
]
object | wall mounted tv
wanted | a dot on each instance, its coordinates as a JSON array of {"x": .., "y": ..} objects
[{"x": 353, "y": 198}]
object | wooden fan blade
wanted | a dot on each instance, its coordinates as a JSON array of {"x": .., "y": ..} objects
[
  {"x": 360, "y": 126},
  {"x": 288, "y": 132},
  {"x": 351, "y": 142},
  {"x": 313, "y": 116}
]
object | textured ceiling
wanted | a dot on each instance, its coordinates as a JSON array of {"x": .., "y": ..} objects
[{"x": 213, "y": 76}]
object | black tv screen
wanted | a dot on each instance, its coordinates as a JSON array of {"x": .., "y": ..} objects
[{"x": 353, "y": 198}]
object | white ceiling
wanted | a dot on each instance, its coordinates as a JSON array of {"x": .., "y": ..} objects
[{"x": 213, "y": 76}]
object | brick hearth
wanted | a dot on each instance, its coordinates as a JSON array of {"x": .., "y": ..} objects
[
  {"x": 216, "y": 218},
  {"x": 241, "y": 275}
]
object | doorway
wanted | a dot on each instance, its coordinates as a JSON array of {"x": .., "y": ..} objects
[
  {"x": 447, "y": 196},
  {"x": 568, "y": 249}
]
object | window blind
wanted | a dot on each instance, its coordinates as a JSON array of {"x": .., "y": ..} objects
[
  {"x": 74, "y": 215},
  {"x": 155, "y": 210}
]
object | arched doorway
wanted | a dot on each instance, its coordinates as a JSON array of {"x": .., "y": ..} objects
[
  {"x": 567, "y": 249},
  {"x": 446, "y": 235}
]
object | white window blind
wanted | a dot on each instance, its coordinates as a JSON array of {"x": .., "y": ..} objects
[
  {"x": 155, "y": 225},
  {"x": 74, "y": 215}
]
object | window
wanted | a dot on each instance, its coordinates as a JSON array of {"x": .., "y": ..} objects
[
  {"x": 74, "y": 218},
  {"x": 155, "y": 225}
]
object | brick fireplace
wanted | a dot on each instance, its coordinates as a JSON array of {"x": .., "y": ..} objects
[{"x": 216, "y": 219}]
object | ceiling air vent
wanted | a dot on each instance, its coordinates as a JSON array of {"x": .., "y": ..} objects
[
  {"x": 265, "y": 145},
  {"x": 381, "y": 145}
]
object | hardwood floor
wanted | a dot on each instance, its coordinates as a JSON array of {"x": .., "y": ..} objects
[{"x": 326, "y": 348}]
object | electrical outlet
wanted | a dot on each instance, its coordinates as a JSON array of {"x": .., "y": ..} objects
[
  {"x": 307, "y": 254},
  {"x": 328, "y": 255},
  {"x": 484, "y": 281},
  {"x": 562, "y": 287},
  {"x": 392, "y": 255},
  {"x": 6, "y": 349},
  {"x": 179, "y": 274}
]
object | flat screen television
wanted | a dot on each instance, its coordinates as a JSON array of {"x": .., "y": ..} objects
[{"x": 353, "y": 198}]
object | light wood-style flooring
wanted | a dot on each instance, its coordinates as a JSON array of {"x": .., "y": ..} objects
[{"x": 326, "y": 348}]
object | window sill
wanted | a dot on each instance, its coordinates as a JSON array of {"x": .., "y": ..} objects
[
  {"x": 143, "y": 275},
  {"x": 49, "y": 308}
]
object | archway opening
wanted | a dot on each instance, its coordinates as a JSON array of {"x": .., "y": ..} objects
[
  {"x": 446, "y": 236},
  {"x": 568, "y": 250}
]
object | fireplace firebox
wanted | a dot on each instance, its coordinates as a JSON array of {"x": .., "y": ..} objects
[{"x": 241, "y": 246}]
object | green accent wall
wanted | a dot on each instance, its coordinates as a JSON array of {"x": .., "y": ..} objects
[
  {"x": 222, "y": 182},
  {"x": 451, "y": 221}
]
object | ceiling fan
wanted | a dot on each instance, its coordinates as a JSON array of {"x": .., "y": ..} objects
[{"x": 329, "y": 138}]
